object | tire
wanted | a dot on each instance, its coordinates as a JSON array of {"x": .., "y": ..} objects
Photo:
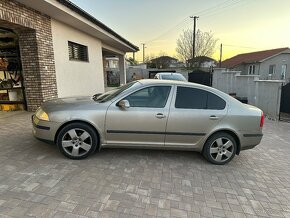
[
  {"x": 77, "y": 140},
  {"x": 220, "y": 148}
]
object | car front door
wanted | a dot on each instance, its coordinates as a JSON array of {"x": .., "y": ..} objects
[
  {"x": 193, "y": 114},
  {"x": 144, "y": 122}
]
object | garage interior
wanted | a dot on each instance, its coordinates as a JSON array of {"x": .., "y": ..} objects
[{"x": 12, "y": 95}]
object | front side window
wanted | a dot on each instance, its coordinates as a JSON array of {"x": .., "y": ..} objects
[
  {"x": 193, "y": 98},
  {"x": 151, "y": 97},
  {"x": 78, "y": 52}
]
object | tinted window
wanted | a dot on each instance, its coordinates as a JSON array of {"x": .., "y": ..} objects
[
  {"x": 214, "y": 102},
  {"x": 154, "y": 97},
  {"x": 192, "y": 98}
]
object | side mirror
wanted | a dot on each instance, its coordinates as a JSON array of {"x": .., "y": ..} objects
[{"x": 123, "y": 104}]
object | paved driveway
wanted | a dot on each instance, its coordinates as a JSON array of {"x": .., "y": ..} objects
[{"x": 36, "y": 180}]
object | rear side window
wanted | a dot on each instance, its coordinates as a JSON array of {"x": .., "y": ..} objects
[
  {"x": 214, "y": 102},
  {"x": 189, "y": 98},
  {"x": 192, "y": 98}
]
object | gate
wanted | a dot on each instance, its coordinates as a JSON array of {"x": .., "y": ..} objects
[
  {"x": 285, "y": 103},
  {"x": 201, "y": 77}
]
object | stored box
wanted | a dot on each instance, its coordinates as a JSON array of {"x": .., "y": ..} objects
[{"x": 9, "y": 107}]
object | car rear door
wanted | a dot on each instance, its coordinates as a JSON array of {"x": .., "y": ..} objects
[
  {"x": 194, "y": 112},
  {"x": 144, "y": 122}
]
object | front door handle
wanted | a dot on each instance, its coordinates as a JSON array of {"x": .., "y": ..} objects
[
  {"x": 213, "y": 117},
  {"x": 160, "y": 116}
]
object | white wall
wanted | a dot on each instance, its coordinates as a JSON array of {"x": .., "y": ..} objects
[
  {"x": 265, "y": 94},
  {"x": 76, "y": 78},
  {"x": 278, "y": 60}
]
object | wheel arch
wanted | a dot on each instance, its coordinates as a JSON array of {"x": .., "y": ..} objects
[
  {"x": 79, "y": 121},
  {"x": 230, "y": 132}
]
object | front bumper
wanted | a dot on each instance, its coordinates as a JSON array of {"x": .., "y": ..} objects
[{"x": 44, "y": 130}]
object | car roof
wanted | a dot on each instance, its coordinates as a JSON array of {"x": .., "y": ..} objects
[
  {"x": 168, "y": 73},
  {"x": 169, "y": 82},
  {"x": 177, "y": 82}
]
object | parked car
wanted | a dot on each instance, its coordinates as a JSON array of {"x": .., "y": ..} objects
[
  {"x": 170, "y": 76},
  {"x": 151, "y": 114}
]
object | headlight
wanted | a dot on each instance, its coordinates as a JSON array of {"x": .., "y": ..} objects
[{"x": 40, "y": 114}]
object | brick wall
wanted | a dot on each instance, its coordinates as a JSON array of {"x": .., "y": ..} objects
[{"x": 36, "y": 50}]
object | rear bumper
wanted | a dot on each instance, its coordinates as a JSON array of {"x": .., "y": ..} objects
[
  {"x": 250, "y": 141},
  {"x": 44, "y": 130}
]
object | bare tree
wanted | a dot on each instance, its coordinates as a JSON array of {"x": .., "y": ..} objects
[{"x": 205, "y": 45}]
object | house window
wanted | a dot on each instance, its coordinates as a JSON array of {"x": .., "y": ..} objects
[
  {"x": 251, "y": 69},
  {"x": 77, "y": 52},
  {"x": 283, "y": 71},
  {"x": 272, "y": 69}
]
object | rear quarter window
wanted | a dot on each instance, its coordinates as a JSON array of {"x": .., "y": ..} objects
[{"x": 214, "y": 102}]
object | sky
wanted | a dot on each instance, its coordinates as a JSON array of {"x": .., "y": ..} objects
[{"x": 240, "y": 25}]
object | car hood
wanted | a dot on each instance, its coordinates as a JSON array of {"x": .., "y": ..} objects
[{"x": 68, "y": 104}]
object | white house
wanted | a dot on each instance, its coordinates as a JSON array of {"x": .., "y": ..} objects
[{"x": 60, "y": 50}]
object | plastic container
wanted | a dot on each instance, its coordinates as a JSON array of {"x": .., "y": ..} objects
[{"x": 12, "y": 95}]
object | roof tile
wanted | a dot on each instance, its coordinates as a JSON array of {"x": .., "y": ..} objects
[{"x": 251, "y": 57}]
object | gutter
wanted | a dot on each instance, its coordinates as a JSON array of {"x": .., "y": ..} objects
[{"x": 90, "y": 18}]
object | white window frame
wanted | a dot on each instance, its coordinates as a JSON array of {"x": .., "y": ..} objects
[
  {"x": 273, "y": 69},
  {"x": 251, "y": 69},
  {"x": 283, "y": 71}
]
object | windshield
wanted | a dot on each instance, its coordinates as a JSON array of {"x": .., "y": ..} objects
[
  {"x": 173, "y": 77},
  {"x": 107, "y": 96}
]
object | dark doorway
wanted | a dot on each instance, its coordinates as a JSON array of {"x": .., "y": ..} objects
[
  {"x": 12, "y": 95},
  {"x": 285, "y": 103},
  {"x": 201, "y": 77}
]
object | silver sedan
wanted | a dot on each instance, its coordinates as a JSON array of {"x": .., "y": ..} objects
[{"x": 151, "y": 114}]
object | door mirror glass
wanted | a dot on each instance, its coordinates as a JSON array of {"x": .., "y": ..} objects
[{"x": 124, "y": 104}]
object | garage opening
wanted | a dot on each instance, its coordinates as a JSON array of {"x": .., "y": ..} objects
[{"x": 12, "y": 95}]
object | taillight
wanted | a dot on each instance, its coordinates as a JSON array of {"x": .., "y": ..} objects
[{"x": 262, "y": 119}]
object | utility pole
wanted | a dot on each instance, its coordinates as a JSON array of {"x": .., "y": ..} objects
[
  {"x": 143, "y": 52},
  {"x": 193, "y": 38},
  {"x": 221, "y": 55}
]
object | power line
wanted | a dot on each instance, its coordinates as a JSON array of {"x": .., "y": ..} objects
[
  {"x": 226, "y": 7},
  {"x": 218, "y": 7},
  {"x": 186, "y": 20},
  {"x": 204, "y": 12}
]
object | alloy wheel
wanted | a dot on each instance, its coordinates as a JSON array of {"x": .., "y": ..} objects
[
  {"x": 77, "y": 142},
  {"x": 222, "y": 149}
]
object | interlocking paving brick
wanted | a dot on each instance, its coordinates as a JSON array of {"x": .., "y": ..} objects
[{"x": 36, "y": 180}]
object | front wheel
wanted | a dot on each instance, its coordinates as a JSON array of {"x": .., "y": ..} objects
[
  {"x": 220, "y": 148},
  {"x": 77, "y": 140}
]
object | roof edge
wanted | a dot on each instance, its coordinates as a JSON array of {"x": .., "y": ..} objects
[{"x": 92, "y": 19}]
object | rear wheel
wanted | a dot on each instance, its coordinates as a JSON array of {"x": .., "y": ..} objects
[
  {"x": 77, "y": 140},
  {"x": 220, "y": 148}
]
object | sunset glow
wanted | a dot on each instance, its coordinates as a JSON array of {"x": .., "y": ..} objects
[{"x": 241, "y": 25}]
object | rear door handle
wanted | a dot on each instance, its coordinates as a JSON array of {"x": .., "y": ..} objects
[
  {"x": 160, "y": 116},
  {"x": 213, "y": 117}
]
